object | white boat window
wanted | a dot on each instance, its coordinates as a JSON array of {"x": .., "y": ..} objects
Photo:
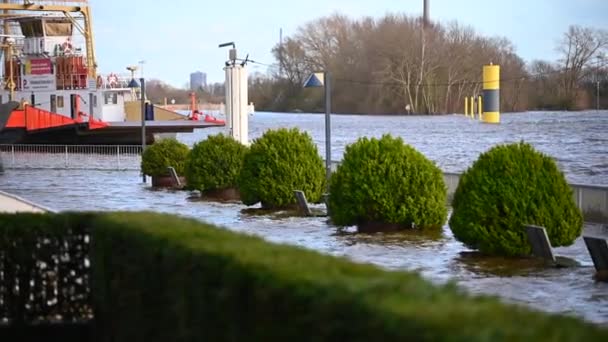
[
  {"x": 59, "y": 101},
  {"x": 110, "y": 98}
]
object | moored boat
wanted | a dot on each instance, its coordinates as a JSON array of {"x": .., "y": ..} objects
[{"x": 62, "y": 98}]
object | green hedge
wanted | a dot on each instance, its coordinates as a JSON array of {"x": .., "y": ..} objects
[
  {"x": 162, "y": 154},
  {"x": 163, "y": 278},
  {"x": 508, "y": 187},
  {"x": 279, "y": 162},
  {"x": 386, "y": 181},
  {"x": 215, "y": 163}
]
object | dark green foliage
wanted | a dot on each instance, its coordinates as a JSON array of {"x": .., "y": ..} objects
[
  {"x": 384, "y": 180},
  {"x": 162, "y": 154},
  {"x": 278, "y": 163},
  {"x": 507, "y": 187},
  {"x": 215, "y": 163},
  {"x": 194, "y": 282},
  {"x": 164, "y": 278}
]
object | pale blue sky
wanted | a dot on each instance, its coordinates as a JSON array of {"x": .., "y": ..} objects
[{"x": 182, "y": 36}]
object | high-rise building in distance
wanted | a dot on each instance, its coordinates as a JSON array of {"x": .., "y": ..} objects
[{"x": 198, "y": 80}]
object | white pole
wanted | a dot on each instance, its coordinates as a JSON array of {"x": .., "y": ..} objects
[{"x": 237, "y": 120}]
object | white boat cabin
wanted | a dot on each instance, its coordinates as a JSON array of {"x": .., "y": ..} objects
[{"x": 45, "y": 69}]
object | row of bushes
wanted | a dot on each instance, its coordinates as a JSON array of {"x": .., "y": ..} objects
[
  {"x": 268, "y": 172},
  {"x": 157, "y": 277},
  {"x": 385, "y": 182}
]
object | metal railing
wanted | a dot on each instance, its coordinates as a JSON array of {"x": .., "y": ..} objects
[
  {"x": 84, "y": 157},
  {"x": 592, "y": 200}
]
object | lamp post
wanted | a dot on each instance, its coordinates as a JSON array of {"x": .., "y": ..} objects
[
  {"x": 316, "y": 80},
  {"x": 143, "y": 120},
  {"x": 142, "y": 85},
  {"x": 326, "y": 78}
]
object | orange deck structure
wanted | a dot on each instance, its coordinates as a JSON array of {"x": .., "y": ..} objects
[
  {"x": 36, "y": 126},
  {"x": 34, "y": 119}
]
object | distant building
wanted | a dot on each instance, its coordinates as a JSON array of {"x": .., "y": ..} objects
[{"x": 198, "y": 80}]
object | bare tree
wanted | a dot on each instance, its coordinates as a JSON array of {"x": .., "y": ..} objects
[
  {"x": 295, "y": 67},
  {"x": 382, "y": 65},
  {"x": 578, "y": 48}
]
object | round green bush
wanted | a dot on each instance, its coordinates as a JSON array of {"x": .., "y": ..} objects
[
  {"x": 215, "y": 163},
  {"x": 387, "y": 181},
  {"x": 279, "y": 162},
  {"x": 162, "y": 154},
  {"x": 508, "y": 187}
]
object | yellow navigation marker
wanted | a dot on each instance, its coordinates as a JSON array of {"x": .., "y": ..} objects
[{"x": 491, "y": 93}]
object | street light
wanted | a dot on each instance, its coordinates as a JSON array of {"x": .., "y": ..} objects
[
  {"x": 132, "y": 83},
  {"x": 318, "y": 80},
  {"x": 142, "y": 86}
]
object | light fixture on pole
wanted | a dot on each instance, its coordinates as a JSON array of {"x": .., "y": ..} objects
[
  {"x": 317, "y": 80},
  {"x": 231, "y": 53},
  {"x": 142, "y": 85},
  {"x": 132, "y": 83}
]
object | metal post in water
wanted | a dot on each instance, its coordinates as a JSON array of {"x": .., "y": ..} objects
[
  {"x": 314, "y": 81},
  {"x": 327, "y": 83},
  {"x": 597, "y": 98},
  {"x": 599, "y": 57},
  {"x": 143, "y": 122},
  {"x": 472, "y": 107}
]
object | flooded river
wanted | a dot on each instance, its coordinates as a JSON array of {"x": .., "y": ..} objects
[{"x": 579, "y": 141}]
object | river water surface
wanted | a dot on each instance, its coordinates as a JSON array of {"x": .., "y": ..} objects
[{"x": 579, "y": 142}]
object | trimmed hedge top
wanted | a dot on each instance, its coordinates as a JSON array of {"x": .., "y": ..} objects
[
  {"x": 215, "y": 163},
  {"x": 507, "y": 187},
  {"x": 386, "y": 181},
  {"x": 162, "y": 154},
  {"x": 279, "y": 162},
  {"x": 195, "y": 282}
]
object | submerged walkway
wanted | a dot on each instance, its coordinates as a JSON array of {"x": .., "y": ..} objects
[{"x": 10, "y": 203}]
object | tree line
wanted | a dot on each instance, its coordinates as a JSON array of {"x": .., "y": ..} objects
[
  {"x": 158, "y": 92},
  {"x": 397, "y": 63}
]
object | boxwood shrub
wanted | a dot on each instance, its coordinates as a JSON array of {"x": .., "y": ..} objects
[
  {"x": 215, "y": 163},
  {"x": 387, "y": 181},
  {"x": 162, "y": 154},
  {"x": 279, "y": 162},
  {"x": 507, "y": 187}
]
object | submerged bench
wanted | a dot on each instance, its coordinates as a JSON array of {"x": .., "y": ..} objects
[{"x": 598, "y": 248}]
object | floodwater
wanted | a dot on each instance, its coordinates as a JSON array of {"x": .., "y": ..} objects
[{"x": 579, "y": 141}]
